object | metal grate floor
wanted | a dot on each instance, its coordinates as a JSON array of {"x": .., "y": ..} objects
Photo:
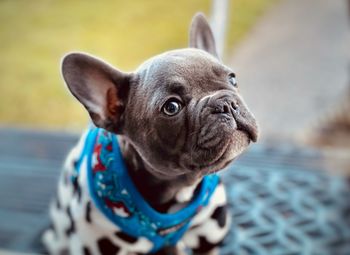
[
  {"x": 29, "y": 167},
  {"x": 287, "y": 209},
  {"x": 282, "y": 202}
]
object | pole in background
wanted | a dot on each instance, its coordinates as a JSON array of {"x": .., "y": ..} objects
[{"x": 218, "y": 21}]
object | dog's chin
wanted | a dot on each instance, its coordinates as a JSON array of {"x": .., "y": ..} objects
[
  {"x": 229, "y": 150},
  {"x": 217, "y": 158}
]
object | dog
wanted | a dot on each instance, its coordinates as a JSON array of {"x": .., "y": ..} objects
[{"x": 143, "y": 178}]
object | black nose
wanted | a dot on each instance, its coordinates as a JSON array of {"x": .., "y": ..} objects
[
  {"x": 225, "y": 107},
  {"x": 245, "y": 121}
]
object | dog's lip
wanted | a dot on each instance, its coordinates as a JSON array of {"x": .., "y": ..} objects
[
  {"x": 246, "y": 125},
  {"x": 215, "y": 161},
  {"x": 227, "y": 161},
  {"x": 213, "y": 171},
  {"x": 251, "y": 132}
]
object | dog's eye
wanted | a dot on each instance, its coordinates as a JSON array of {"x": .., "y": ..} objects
[
  {"x": 172, "y": 107},
  {"x": 232, "y": 79}
]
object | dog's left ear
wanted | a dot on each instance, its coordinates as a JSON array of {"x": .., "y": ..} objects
[
  {"x": 201, "y": 35},
  {"x": 99, "y": 87}
]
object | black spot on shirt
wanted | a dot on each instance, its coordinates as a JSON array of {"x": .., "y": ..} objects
[
  {"x": 205, "y": 246},
  {"x": 86, "y": 251},
  {"x": 76, "y": 188},
  {"x": 71, "y": 229},
  {"x": 220, "y": 215},
  {"x": 106, "y": 247},
  {"x": 88, "y": 212},
  {"x": 126, "y": 237}
]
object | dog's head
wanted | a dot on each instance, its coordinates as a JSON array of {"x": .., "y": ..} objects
[{"x": 181, "y": 110}]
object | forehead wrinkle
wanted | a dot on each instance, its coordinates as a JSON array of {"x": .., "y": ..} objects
[{"x": 177, "y": 89}]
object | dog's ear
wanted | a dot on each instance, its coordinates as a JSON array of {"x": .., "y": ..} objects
[
  {"x": 99, "y": 87},
  {"x": 201, "y": 36}
]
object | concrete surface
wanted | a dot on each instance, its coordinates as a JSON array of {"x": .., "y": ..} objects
[{"x": 294, "y": 64}]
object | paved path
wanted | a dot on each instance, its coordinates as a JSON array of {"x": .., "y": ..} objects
[{"x": 294, "y": 64}]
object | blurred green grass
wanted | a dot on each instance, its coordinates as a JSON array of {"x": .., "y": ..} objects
[{"x": 34, "y": 35}]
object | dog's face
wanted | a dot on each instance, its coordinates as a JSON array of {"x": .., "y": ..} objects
[{"x": 181, "y": 110}]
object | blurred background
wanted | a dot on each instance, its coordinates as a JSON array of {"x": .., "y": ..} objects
[
  {"x": 36, "y": 34},
  {"x": 292, "y": 61},
  {"x": 292, "y": 57}
]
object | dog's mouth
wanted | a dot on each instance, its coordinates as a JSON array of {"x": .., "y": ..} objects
[
  {"x": 251, "y": 130},
  {"x": 213, "y": 159},
  {"x": 221, "y": 135}
]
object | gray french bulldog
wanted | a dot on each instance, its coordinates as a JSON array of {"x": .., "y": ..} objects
[{"x": 175, "y": 121}]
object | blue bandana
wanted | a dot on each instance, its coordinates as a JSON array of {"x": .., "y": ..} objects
[{"x": 114, "y": 193}]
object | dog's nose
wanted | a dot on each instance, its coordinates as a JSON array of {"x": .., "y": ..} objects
[
  {"x": 244, "y": 119},
  {"x": 225, "y": 107}
]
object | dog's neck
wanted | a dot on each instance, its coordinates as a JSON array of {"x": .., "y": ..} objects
[{"x": 159, "y": 193}]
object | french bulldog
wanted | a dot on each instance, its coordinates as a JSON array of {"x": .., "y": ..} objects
[{"x": 144, "y": 178}]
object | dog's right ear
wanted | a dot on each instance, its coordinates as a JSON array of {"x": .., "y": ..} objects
[
  {"x": 101, "y": 88},
  {"x": 201, "y": 35}
]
